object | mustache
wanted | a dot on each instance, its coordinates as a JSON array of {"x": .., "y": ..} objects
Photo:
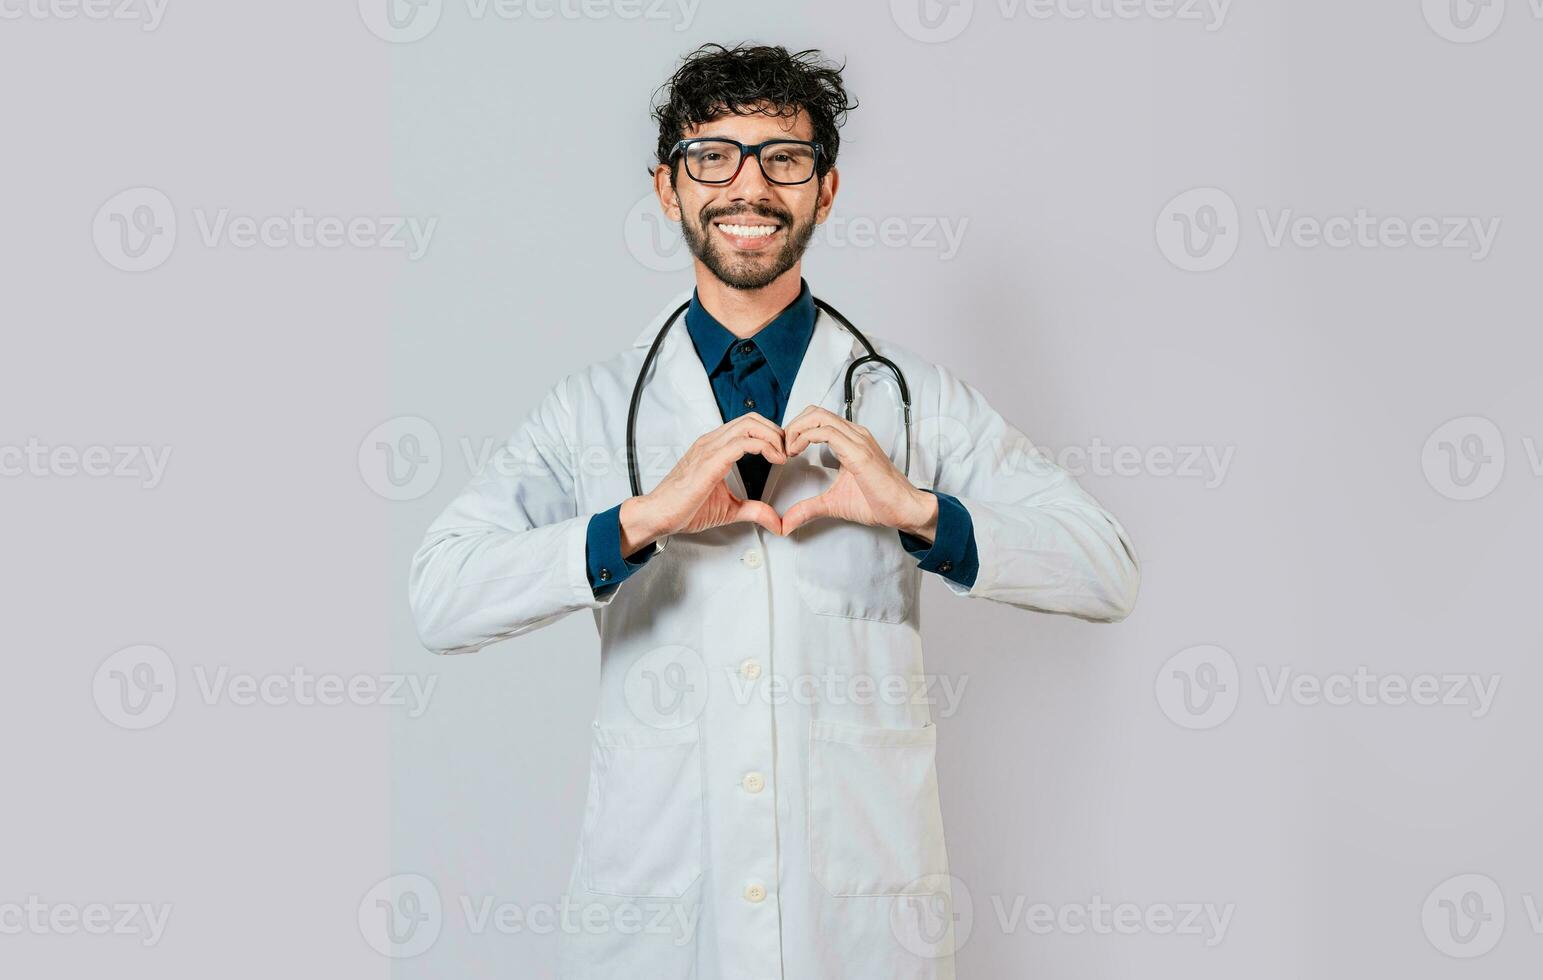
[{"x": 777, "y": 216}]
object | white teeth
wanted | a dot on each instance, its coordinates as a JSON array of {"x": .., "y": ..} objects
[{"x": 749, "y": 231}]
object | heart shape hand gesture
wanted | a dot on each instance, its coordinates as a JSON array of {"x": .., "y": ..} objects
[{"x": 693, "y": 496}]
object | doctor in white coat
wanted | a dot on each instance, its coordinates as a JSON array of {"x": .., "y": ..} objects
[{"x": 763, "y": 801}]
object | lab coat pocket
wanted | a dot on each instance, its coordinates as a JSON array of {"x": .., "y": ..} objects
[
  {"x": 643, "y": 822},
  {"x": 875, "y": 820}
]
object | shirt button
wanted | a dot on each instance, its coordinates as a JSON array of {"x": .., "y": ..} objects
[
  {"x": 945, "y": 566},
  {"x": 605, "y": 574},
  {"x": 755, "y": 892},
  {"x": 753, "y": 782},
  {"x": 750, "y": 670},
  {"x": 747, "y": 348},
  {"x": 750, "y": 403},
  {"x": 751, "y": 558}
]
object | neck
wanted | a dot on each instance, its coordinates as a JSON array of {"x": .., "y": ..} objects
[{"x": 743, "y": 312}]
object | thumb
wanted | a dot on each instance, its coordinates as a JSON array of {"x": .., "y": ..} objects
[
  {"x": 806, "y": 510},
  {"x": 759, "y": 512}
]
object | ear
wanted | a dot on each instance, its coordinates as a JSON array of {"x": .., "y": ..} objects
[
  {"x": 669, "y": 202},
  {"x": 827, "y": 198}
]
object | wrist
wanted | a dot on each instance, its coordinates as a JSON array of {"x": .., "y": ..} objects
[
  {"x": 638, "y": 527},
  {"x": 924, "y": 521}
]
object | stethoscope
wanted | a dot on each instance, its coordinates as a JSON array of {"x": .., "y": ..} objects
[{"x": 872, "y": 356}]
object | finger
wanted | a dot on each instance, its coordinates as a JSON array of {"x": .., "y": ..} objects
[
  {"x": 758, "y": 512},
  {"x": 806, "y": 510},
  {"x": 806, "y": 411},
  {"x": 752, "y": 424},
  {"x": 730, "y": 454},
  {"x": 756, "y": 418},
  {"x": 847, "y": 446},
  {"x": 813, "y": 417}
]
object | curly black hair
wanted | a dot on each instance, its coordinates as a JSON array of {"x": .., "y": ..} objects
[{"x": 714, "y": 79}]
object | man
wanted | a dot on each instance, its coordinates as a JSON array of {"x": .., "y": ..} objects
[{"x": 762, "y": 783}]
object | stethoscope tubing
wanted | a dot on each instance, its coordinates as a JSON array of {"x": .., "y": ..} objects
[{"x": 872, "y": 356}]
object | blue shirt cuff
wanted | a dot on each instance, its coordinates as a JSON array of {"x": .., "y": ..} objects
[
  {"x": 952, "y": 553},
  {"x": 602, "y": 552}
]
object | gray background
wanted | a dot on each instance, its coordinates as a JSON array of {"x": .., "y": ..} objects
[{"x": 273, "y": 373}]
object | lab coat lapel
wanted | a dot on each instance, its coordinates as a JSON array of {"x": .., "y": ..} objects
[{"x": 678, "y": 405}]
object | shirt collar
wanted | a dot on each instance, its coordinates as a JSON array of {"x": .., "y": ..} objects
[{"x": 782, "y": 341}]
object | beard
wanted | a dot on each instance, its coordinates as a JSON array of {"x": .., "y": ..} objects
[{"x": 755, "y": 270}]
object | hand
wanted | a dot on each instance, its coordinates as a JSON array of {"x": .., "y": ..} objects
[
  {"x": 693, "y": 497},
  {"x": 868, "y": 489}
]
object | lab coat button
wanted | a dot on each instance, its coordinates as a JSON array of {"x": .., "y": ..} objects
[
  {"x": 750, "y": 670},
  {"x": 754, "y": 782},
  {"x": 755, "y": 893},
  {"x": 751, "y": 558}
]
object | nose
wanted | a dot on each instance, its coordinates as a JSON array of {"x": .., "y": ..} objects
[{"x": 750, "y": 184}]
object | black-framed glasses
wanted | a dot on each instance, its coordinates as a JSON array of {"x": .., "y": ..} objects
[{"x": 713, "y": 160}]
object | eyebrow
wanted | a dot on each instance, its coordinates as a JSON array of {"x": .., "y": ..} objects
[{"x": 769, "y": 139}]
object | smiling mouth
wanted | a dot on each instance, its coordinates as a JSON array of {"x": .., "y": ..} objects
[{"x": 747, "y": 235}]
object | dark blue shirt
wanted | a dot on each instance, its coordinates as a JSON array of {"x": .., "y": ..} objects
[{"x": 756, "y": 375}]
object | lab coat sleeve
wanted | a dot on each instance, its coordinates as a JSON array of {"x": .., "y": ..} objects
[
  {"x": 1044, "y": 543},
  {"x": 507, "y": 556}
]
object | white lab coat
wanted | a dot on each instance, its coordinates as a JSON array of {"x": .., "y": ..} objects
[{"x": 762, "y": 801}]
